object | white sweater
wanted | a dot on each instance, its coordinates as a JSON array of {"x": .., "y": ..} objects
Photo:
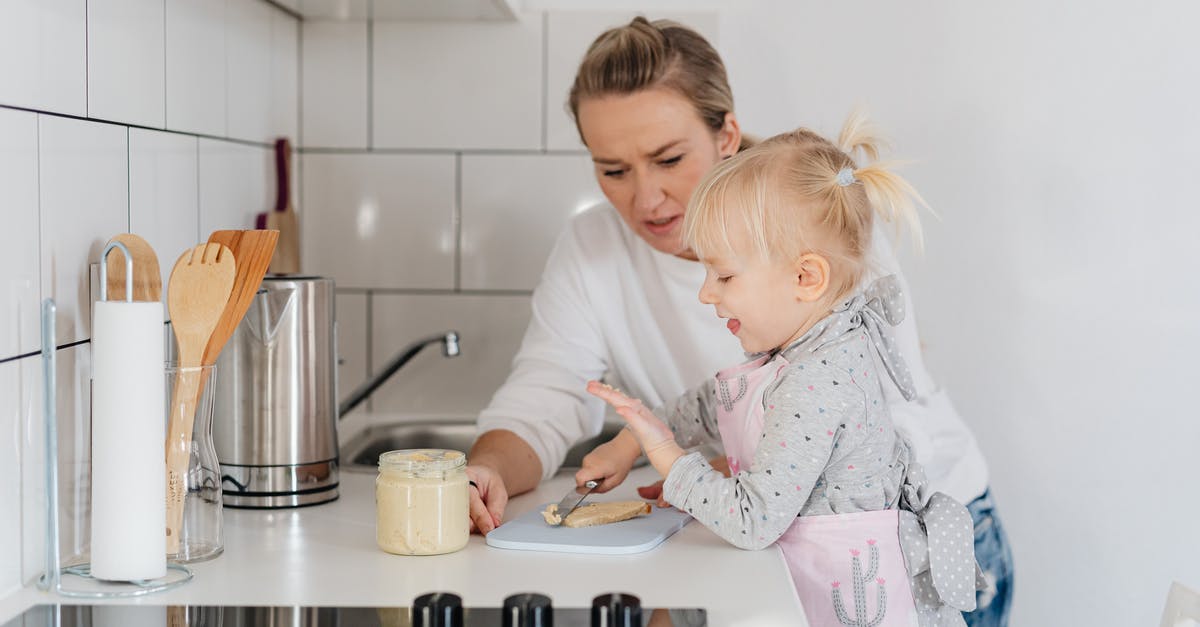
[{"x": 610, "y": 306}]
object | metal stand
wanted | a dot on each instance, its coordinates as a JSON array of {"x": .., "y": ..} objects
[{"x": 52, "y": 579}]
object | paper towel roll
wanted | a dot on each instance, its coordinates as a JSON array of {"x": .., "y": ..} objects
[{"x": 128, "y": 435}]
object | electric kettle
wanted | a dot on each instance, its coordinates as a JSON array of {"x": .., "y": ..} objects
[{"x": 275, "y": 414}]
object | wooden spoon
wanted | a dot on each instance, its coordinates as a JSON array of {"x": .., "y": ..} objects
[
  {"x": 147, "y": 280},
  {"x": 252, "y": 250},
  {"x": 197, "y": 294}
]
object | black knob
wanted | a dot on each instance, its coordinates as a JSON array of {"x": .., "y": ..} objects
[
  {"x": 437, "y": 609},
  {"x": 616, "y": 610},
  {"x": 528, "y": 610}
]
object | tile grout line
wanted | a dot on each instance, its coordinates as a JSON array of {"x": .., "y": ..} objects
[
  {"x": 371, "y": 82},
  {"x": 370, "y": 354},
  {"x": 446, "y": 151},
  {"x": 128, "y": 184},
  {"x": 87, "y": 78},
  {"x": 545, "y": 79},
  {"x": 164, "y": 64},
  {"x": 83, "y": 118},
  {"x": 299, "y": 86},
  {"x": 457, "y": 219},
  {"x": 38, "y": 352}
]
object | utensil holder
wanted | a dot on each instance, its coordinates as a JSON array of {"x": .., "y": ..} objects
[
  {"x": 52, "y": 579},
  {"x": 201, "y": 537}
]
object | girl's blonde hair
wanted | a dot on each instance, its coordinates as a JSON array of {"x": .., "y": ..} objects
[
  {"x": 660, "y": 54},
  {"x": 787, "y": 195}
]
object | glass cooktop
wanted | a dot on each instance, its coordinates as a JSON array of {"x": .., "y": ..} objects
[{"x": 515, "y": 614}]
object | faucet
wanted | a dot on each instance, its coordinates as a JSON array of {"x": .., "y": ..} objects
[{"x": 449, "y": 341}]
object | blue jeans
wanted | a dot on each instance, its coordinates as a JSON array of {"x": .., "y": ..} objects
[{"x": 995, "y": 558}]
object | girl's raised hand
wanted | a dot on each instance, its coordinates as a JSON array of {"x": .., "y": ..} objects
[{"x": 653, "y": 434}]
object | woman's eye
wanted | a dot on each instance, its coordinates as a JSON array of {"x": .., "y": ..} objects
[
  {"x": 613, "y": 173},
  {"x": 670, "y": 162},
  {"x": 724, "y": 279}
]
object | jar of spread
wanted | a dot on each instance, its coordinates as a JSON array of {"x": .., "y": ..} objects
[{"x": 421, "y": 502}]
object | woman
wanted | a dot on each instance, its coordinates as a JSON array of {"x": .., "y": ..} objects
[{"x": 618, "y": 296}]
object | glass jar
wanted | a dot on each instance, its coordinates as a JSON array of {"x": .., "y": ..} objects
[{"x": 421, "y": 502}]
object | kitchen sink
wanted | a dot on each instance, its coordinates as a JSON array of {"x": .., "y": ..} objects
[{"x": 361, "y": 452}]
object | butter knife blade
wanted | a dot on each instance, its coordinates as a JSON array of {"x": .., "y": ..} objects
[{"x": 573, "y": 499}]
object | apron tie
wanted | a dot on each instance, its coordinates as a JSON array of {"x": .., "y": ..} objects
[{"x": 871, "y": 311}]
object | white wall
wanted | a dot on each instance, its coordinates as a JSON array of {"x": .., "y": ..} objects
[
  {"x": 1057, "y": 296},
  {"x": 150, "y": 116}
]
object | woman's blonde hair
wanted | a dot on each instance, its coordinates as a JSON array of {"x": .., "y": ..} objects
[
  {"x": 798, "y": 192},
  {"x": 660, "y": 54}
]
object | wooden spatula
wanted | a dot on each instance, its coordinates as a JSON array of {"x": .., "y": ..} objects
[
  {"x": 252, "y": 250},
  {"x": 147, "y": 280},
  {"x": 197, "y": 294}
]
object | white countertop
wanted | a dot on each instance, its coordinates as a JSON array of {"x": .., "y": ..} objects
[{"x": 326, "y": 555}]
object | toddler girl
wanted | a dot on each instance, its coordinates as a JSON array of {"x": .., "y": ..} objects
[{"x": 815, "y": 464}]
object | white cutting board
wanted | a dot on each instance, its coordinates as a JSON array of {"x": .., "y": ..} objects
[{"x": 529, "y": 532}]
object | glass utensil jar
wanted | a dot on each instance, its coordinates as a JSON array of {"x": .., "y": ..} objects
[
  {"x": 201, "y": 534},
  {"x": 421, "y": 502}
]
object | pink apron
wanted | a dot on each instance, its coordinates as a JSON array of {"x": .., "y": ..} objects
[{"x": 848, "y": 569}]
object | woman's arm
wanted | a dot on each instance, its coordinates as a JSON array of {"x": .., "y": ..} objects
[{"x": 542, "y": 408}]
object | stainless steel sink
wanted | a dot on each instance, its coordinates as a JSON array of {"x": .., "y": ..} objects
[{"x": 361, "y": 453}]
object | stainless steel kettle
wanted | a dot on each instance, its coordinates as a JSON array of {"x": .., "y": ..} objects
[{"x": 275, "y": 414}]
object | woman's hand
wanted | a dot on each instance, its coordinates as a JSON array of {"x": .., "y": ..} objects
[
  {"x": 488, "y": 498},
  {"x": 610, "y": 462},
  {"x": 652, "y": 434}
]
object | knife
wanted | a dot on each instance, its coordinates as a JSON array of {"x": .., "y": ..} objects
[{"x": 572, "y": 500}]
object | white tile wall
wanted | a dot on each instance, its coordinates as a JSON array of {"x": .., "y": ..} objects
[
  {"x": 458, "y": 85},
  {"x": 10, "y": 477},
  {"x": 43, "y": 62},
  {"x": 83, "y": 184},
  {"x": 334, "y": 84},
  {"x": 71, "y": 183},
  {"x": 248, "y": 63},
  {"x": 126, "y": 61},
  {"x": 196, "y": 66},
  {"x": 352, "y": 341},
  {"x": 569, "y": 33},
  {"x": 490, "y": 330},
  {"x": 234, "y": 181},
  {"x": 284, "y": 120},
  {"x": 163, "y": 194},
  {"x": 333, "y": 10},
  {"x": 507, "y": 231},
  {"x": 380, "y": 220},
  {"x": 19, "y": 282}
]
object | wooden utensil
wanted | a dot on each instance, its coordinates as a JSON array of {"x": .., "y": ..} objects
[
  {"x": 147, "y": 280},
  {"x": 252, "y": 251},
  {"x": 283, "y": 218},
  {"x": 197, "y": 294}
]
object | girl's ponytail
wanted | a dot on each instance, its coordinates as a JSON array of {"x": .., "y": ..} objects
[{"x": 887, "y": 194}]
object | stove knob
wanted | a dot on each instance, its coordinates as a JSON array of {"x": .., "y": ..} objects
[
  {"x": 528, "y": 610},
  {"x": 437, "y": 609},
  {"x": 616, "y": 610}
]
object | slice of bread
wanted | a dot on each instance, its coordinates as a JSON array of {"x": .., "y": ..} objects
[{"x": 597, "y": 513}]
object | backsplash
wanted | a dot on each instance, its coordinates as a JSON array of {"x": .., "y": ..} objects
[
  {"x": 438, "y": 165},
  {"x": 150, "y": 116},
  {"x": 432, "y": 208}
]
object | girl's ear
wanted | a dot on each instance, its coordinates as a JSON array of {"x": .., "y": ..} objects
[
  {"x": 812, "y": 277},
  {"x": 729, "y": 138}
]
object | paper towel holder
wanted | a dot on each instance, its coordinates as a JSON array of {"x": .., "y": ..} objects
[{"x": 52, "y": 579}]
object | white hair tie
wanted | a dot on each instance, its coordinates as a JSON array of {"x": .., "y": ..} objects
[{"x": 845, "y": 177}]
